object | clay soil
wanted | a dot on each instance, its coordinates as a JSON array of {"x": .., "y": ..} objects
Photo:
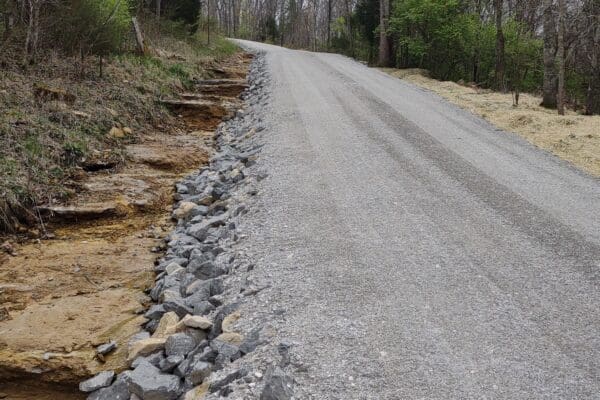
[
  {"x": 62, "y": 297},
  {"x": 572, "y": 137}
]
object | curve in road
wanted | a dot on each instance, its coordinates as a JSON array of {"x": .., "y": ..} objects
[{"x": 419, "y": 252}]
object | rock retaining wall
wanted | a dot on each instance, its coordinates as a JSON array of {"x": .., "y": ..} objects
[{"x": 190, "y": 349}]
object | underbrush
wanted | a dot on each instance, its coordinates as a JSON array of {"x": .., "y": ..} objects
[{"x": 48, "y": 139}]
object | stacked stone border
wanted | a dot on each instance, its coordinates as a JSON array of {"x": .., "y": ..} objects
[{"x": 189, "y": 348}]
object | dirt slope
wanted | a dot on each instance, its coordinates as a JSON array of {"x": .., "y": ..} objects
[{"x": 61, "y": 298}]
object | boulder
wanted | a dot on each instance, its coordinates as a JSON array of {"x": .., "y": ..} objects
[
  {"x": 174, "y": 269},
  {"x": 144, "y": 347},
  {"x": 198, "y": 372},
  {"x": 200, "y": 230},
  {"x": 154, "y": 359},
  {"x": 167, "y": 325},
  {"x": 179, "y": 344},
  {"x": 197, "y": 393},
  {"x": 231, "y": 338},
  {"x": 194, "y": 321},
  {"x": 228, "y": 321},
  {"x": 169, "y": 363},
  {"x": 203, "y": 308},
  {"x": 155, "y": 312},
  {"x": 116, "y": 133},
  {"x": 184, "y": 210},
  {"x": 223, "y": 378},
  {"x": 117, "y": 391},
  {"x": 101, "y": 380},
  {"x": 278, "y": 385},
  {"x": 147, "y": 382}
]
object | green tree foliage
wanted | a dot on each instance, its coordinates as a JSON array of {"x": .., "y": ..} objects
[
  {"x": 97, "y": 27},
  {"x": 434, "y": 34},
  {"x": 187, "y": 11},
  {"x": 340, "y": 41},
  {"x": 449, "y": 40},
  {"x": 367, "y": 22},
  {"x": 269, "y": 30}
]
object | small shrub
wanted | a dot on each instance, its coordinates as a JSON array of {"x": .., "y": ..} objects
[
  {"x": 73, "y": 151},
  {"x": 97, "y": 27}
]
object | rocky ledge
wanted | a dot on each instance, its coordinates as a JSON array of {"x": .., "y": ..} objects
[{"x": 190, "y": 348}]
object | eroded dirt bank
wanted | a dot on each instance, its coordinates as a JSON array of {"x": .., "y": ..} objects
[{"x": 61, "y": 298}]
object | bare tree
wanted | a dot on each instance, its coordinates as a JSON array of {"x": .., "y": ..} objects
[
  {"x": 9, "y": 18},
  {"x": 550, "y": 83},
  {"x": 329, "y": 8},
  {"x": 33, "y": 30},
  {"x": 500, "y": 67},
  {"x": 561, "y": 57},
  {"x": 591, "y": 50},
  {"x": 477, "y": 50},
  {"x": 385, "y": 42}
]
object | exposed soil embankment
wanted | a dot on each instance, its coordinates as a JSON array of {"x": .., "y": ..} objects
[{"x": 61, "y": 298}]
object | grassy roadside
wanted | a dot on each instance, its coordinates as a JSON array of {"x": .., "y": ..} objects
[
  {"x": 573, "y": 137},
  {"x": 57, "y": 118}
]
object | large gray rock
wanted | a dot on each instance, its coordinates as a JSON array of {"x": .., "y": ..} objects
[
  {"x": 200, "y": 230},
  {"x": 169, "y": 363},
  {"x": 207, "y": 269},
  {"x": 198, "y": 372},
  {"x": 139, "y": 336},
  {"x": 103, "y": 379},
  {"x": 223, "y": 378},
  {"x": 117, "y": 391},
  {"x": 226, "y": 353},
  {"x": 278, "y": 385},
  {"x": 200, "y": 255},
  {"x": 203, "y": 308},
  {"x": 177, "y": 305},
  {"x": 147, "y": 382},
  {"x": 176, "y": 242},
  {"x": 179, "y": 344},
  {"x": 154, "y": 359},
  {"x": 199, "y": 286},
  {"x": 155, "y": 312}
]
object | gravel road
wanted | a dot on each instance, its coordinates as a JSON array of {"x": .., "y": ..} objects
[{"x": 415, "y": 251}]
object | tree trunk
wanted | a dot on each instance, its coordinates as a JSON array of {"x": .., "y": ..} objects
[
  {"x": 9, "y": 21},
  {"x": 477, "y": 50},
  {"x": 500, "y": 84},
  {"x": 592, "y": 104},
  {"x": 349, "y": 27},
  {"x": 561, "y": 57},
  {"x": 208, "y": 22},
  {"x": 315, "y": 13},
  {"x": 33, "y": 30},
  {"x": 282, "y": 25},
  {"x": 139, "y": 37},
  {"x": 550, "y": 85},
  {"x": 328, "y": 24},
  {"x": 385, "y": 43}
]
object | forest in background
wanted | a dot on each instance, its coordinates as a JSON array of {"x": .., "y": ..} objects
[
  {"x": 86, "y": 49},
  {"x": 550, "y": 47}
]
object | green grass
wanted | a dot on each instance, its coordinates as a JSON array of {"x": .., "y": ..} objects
[
  {"x": 219, "y": 47},
  {"x": 43, "y": 143}
]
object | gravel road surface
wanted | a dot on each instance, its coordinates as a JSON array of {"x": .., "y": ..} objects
[{"x": 414, "y": 251}]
